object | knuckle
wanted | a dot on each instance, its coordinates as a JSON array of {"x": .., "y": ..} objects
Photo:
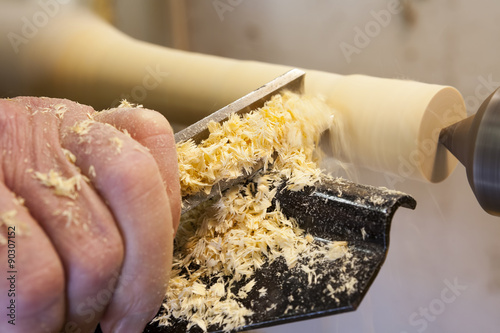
[
  {"x": 138, "y": 121},
  {"x": 155, "y": 123},
  {"x": 133, "y": 171}
]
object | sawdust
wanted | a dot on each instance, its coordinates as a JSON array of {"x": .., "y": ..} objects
[
  {"x": 60, "y": 110},
  {"x": 70, "y": 213},
  {"x": 92, "y": 172},
  {"x": 9, "y": 219},
  {"x": 288, "y": 126},
  {"x": 82, "y": 127},
  {"x": 19, "y": 201},
  {"x": 117, "y": 143},
  {"x": 69, "y": 156},
  {"x": 61, "y": 186},
  {"x": 126, "y": 104}
]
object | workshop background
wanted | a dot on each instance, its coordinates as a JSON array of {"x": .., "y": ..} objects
[{"x": 442, "y": 273}]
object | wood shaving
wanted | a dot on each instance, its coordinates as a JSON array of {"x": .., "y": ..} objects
[
  {"x": 8, "y": 219},
  {"x": 82, "y": 127},
  {"x": 69, "y": 156},
  {"x": 363, "y": 233},
  {"x": 118, "y": 143},
  {"x": 272, "y": 307},
  {"x": 19, "y": 201},
  {"x": 336, "y": 250},
  {"x": 60, "y": 110},
  {"x": 126, "y": 104},
  {"x": 62, "y": 186},
  {"x": 92, "y": 171},
  {"x": 347, "y": 286},
  {"x": 70, "y": 213},
  {"x": 124, "y": 131}
]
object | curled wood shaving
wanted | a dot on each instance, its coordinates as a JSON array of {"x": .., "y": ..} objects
[{"x": 69, "y": 156}]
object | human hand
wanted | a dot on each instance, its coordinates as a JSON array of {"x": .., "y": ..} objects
[{"x": 94, "y": 212}]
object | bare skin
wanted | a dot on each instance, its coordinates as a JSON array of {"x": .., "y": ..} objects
[{"x": 94, "y": 200}]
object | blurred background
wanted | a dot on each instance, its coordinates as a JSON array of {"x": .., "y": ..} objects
[{"x": 442, "y": 273}]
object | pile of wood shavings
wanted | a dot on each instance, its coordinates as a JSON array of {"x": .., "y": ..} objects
[
  {"x": 67, "y": 187},
  {"x": 223, "y": 242},
  {"x": 289, "y": 125}
]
